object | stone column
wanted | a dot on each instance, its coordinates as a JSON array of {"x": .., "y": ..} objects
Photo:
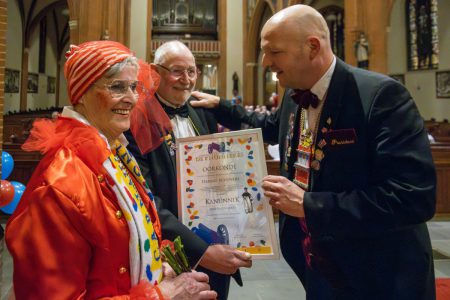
[
  {"x": 370, "y": 17},
  {"x": 92, "y": 20}
]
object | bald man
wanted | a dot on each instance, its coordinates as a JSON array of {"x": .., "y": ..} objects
[
  {"x": 358, "y": 181},
  {"x": 176, "y": 65}
]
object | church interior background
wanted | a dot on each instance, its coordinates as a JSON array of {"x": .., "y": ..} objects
[{"x": 406, "y": 39}]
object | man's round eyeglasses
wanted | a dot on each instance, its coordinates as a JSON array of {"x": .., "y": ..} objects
[
  {"x": 119, "y": 88},
  {"x": 179, "y": 72}
]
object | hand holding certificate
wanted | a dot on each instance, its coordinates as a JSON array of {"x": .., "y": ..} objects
[
  {"x": 224, "y": 259},
  {"x": 219, "y": 191}
]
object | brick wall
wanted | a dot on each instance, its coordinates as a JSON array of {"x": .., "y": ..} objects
[{"x": 3, "y": 24}]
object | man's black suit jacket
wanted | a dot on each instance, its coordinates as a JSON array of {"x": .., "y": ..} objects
[{"x": 367, "y": 204}]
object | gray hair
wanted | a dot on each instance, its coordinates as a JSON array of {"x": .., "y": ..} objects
[
  {"x": 118, "y": 67},
  {"x": 170, "y": 47}
]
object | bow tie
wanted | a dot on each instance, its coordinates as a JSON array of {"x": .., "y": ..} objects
[
  {"x": 305, "y": 98},
  {"x": 182, "y": 111}
]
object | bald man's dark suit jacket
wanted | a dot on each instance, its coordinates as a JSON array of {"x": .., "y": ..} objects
[
  {"x": 367, "y": 204},
  {"x": 159, "y": 169}
]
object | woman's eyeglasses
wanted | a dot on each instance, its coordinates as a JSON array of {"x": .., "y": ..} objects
[
  {"x": 119, "y": 88},
  {"x": 179, "y": 72}
]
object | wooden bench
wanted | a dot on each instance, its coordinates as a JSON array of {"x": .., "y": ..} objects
[{"x": 441, "y": 158}]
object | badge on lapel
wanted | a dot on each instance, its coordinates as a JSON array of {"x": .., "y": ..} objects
[
  {"x": 332, "y": 138},
  {"x": 340, "y": 137},
  {"x": 171, "y": 143},
  {"x": 322, "y": 143},
  {"x": 318, "y": 156}
]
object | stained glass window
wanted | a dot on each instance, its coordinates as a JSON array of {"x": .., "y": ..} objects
[{"x": 422, "y": 34}]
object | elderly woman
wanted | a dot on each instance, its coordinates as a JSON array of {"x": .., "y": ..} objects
[{"x": 86, "y": 227}]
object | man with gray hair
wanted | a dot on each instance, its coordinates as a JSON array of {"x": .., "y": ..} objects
[{"x": 176, "y": 65}]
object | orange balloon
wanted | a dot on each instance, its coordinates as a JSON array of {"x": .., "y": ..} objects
[{"x": 6, "y": 193}]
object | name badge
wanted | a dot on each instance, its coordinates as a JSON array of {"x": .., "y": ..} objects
[{"x": 340, "y": 137}]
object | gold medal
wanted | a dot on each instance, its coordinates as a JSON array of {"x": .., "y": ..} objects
[
  {"x": 322, "y": 143},
  {"x": 315, "y": 164},
  {"x": 319, "y": 154},
  {"x": 306, "y": 138}
]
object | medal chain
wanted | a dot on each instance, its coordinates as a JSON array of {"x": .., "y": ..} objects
[
  {"x": 309, "y": 138},
  {"x": 172, "y": 143}
]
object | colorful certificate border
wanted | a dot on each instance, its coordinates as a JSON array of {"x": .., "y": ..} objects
[{"x": 252, "y": 168}]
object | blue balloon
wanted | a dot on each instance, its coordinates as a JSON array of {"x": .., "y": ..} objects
[
  {"x": 7, "y": 164},
  {"x": 19, "y": 188}
]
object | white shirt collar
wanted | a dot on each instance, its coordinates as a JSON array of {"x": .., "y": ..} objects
[
  {"x": 69, "y": 112},
  {"x": 320, "y": 87}
]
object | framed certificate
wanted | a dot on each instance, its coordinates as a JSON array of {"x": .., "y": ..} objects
[{"x": 219, "y": 191}]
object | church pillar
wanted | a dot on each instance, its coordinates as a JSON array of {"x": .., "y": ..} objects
[
  {"x": 57, "y": 83},
  {"x": 24, "y": 79},
  {"x": 3, "y": 28},
  {"x": 352, "y": 25},
  {"x": 371, "y": 18},
  {"x": 222, "y": 63},
  {"x": 377, "y": 23},
  {"x": 92, "y": 20}
]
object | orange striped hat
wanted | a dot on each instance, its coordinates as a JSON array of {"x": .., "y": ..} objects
[{"x": 87, "y": 62}]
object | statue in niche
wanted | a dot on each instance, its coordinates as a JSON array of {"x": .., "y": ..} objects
[
  {"x": 105, "y": 35},
  {"x": 362, "y": 51},
  {"x": 235, "y": 78}
]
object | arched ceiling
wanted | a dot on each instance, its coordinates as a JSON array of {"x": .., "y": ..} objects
[{"x": 56, "y": 11}]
